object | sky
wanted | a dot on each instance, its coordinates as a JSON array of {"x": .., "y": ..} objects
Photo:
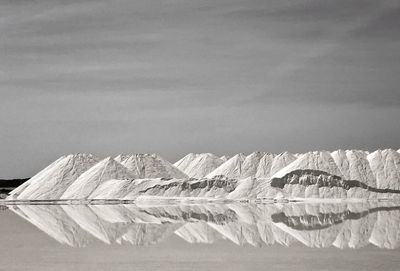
[{"x": 173, "y": 77}]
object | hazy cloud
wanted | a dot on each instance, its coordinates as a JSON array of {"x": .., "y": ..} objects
[{"x": 190, "y": 76}]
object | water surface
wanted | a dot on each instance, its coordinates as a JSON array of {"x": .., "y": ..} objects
[{"x": 293, "y": 236}]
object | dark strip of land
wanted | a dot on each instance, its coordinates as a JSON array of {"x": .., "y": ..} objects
[{"x": 11, "y": 183}]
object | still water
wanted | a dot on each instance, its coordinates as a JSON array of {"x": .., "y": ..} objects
[{"x": 169, "y": 236}]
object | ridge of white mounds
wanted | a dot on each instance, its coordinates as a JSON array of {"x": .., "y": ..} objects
[
  {"x": 83, "y": 176},
  {"x": 76, "y": 176},
  {"x": 254, "y": 165},
  {"x": 379, "y": 169},
  {"x": 198, "y": 165}
]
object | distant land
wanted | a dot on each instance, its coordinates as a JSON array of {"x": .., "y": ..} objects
[
  {"x": 7, "y": 185},
  {"x": 11, "y": 183}
]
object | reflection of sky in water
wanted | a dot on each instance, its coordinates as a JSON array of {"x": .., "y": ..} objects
[{"x": 193, "y": 237}]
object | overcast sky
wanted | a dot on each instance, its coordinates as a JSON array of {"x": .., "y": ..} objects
[{"x": 174, "y": 77}]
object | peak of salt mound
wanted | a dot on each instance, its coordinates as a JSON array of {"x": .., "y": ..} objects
[
  {"x": 385, "y": 165},
  {"x": 152, "y": 166},
  {"x": 122, "y": 157},
  {"x": 183, "y": 163},
  {"x": 250, "y": 164},
  {"x": 264, "y": 166},
  {"x": 224, "y": 158},
  {"x": 231, "y": 168},
  {"x": 101, "y": 172},
  {"x": 202, "y": 165},
  {"x": 317, "y": 160},
  {"x": 54, "y": 180}
]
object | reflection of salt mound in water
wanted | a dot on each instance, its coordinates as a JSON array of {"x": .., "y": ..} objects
[
  {"x": 52, "y": 220},
  {"x": 199, "y": 232},
  {"x": 314, "y": 225}
]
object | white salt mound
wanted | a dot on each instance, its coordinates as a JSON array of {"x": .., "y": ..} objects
[
  {"x": 202, "y": 165},
  {"x": 359, "y": 167},
  {"x": 281, "y": 161},
  {"x": 231, "y": 168},
  {"x": 183, "y": 163},
  {"x": 103, "y": 171},
  {"x": 265, "y": 165},
  {"x": 112, "y": 189},
  {"x": 54, "y": 180},
  {"x": 341, "y": 160},
  {"x": 13, "y": 194},
  {"x": 250, "y": 164},
  {"x": 121, "y": 157},
  {"x": 152, "y": 166},
  {"x": 318, "y": 160},
  {"x": 385, "y": 166}
]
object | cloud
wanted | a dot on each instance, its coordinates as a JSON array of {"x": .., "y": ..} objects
[
  {"x": 306, "y": 11},
  {"x": 384, "y": 28},
  {"x": 184, "y": 76}
]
